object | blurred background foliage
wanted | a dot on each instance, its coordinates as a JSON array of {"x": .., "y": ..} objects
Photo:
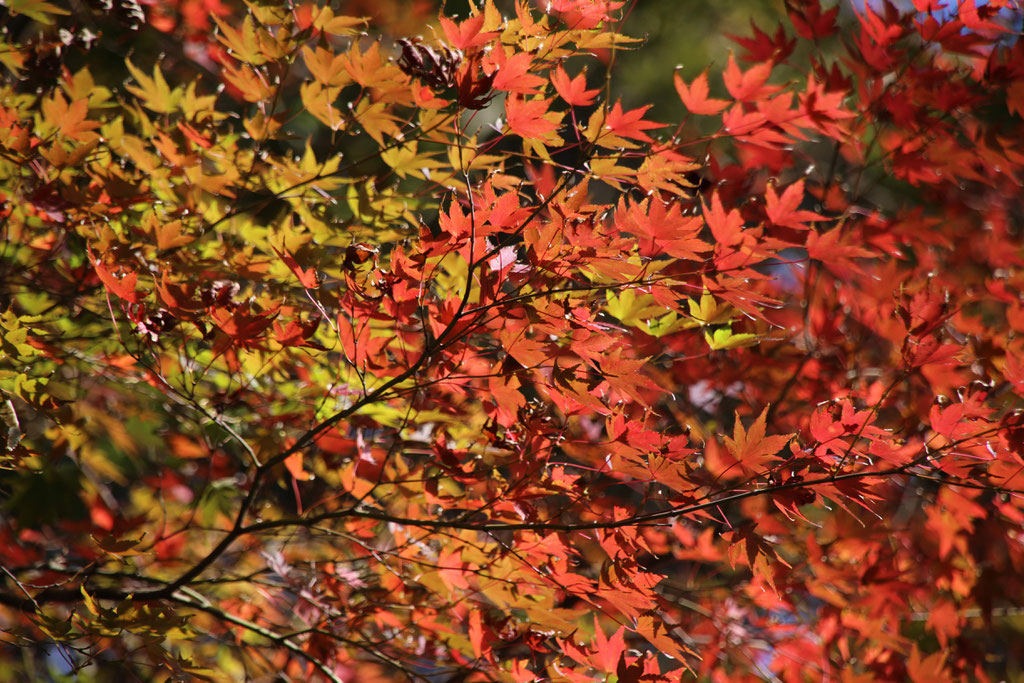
[{"x": 691, "y": 35}]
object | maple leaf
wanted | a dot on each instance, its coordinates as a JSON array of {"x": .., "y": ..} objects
[
  {"x": 726, "y": 226},
  {"x": 71, "y": 118},
  {"x": 748, "y": 85},
  {"x": 751, "y": 447},
  {"x": 1015, "y": 98},
  {"x": 948, "y": 421},
  {"x": 928, "y": 351},
  {"x": 250, "y": 86},
  {"x": 452, "y": 569},
  {"x": 658, "y": 634},
  {"x": 618, "y": 127},
  {"x": 930, "y": 669},
  {"x": 297, "y": 333},
  {"x": 809, "y": 20},
  {"x": 609, "y": 650},
  {"x": 667, "y": 171},
  {"x": 764, "y": 48},
  {"x": 532, "y": 119},
  {"x": 574, "y": 91},
  {"x": 824, "y": 109},
  {"x": 724, "y": 338},
  {"x": 974, "y": 16},
  {"x": 504, "y": 210},
  {"x": 122, "y": 286},
  {"x": 584, "y": 14},
  {"x": 195, "y": 136},
  {"x": 740, "y": 122},
  {"x": 376, "y": 120},
  {"x": 925, "y": 311},
  {"x": 476, "y": 634},
  {"x": 664, "y": 223},
  {"x": 327, "y": 67},
  {"x": 243, "y": 42},
  {"x": 1013, "y": 371},
  {"x": 785, "y": 211},
  {"x": 475, "y": 89},
  {"x": 242, "y": 326},
  {"x": 529, "y": 352},
  {"x": 708, "y": 311},
  {"x": 512, "y": 74},
  {"x": 467, "y": 34},
  {"x": 695, "y": 96},
  {"x": 624, "y": 375},
  {"x": 155, "y": 93},
  {"x": 307, "y": 276},
  {"x": 838, "y": 257},
  {"x": 456, "y": 223},
  {"x": 945, "y": 621},
  {"x": 338, "y": 25},
  {"x": 370, "y": 68}
]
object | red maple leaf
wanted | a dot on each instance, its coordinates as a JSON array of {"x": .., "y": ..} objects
[
  {"x": 122, "y": 286},
  {"x": 307, "y": 276},
  {"x": 808, "y": 19},
  {"x": 784, "y": 211},
  {"x": 764, "y": 48}
]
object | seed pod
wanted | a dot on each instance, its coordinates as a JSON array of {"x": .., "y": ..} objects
[{"x": 435, "y": 67}]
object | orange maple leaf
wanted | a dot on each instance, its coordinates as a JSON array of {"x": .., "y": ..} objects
[
  {"x": 751, "y": 447},
  {"x": 573, "y": 91},
  {"x": 695, "y": 96},
  {"x": 532, "y": 120}
]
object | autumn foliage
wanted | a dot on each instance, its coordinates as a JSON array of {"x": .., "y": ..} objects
[{"x": 358, "y": 342}]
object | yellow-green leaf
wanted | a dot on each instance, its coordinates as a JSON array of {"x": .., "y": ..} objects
[
  {"x": 723, "y": 338},
  {"x": 154, "y": 92},
  {"x": 39, "y": 10}
]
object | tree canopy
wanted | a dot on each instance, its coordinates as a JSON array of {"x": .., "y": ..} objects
[{"x": 367, "y": 342}]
